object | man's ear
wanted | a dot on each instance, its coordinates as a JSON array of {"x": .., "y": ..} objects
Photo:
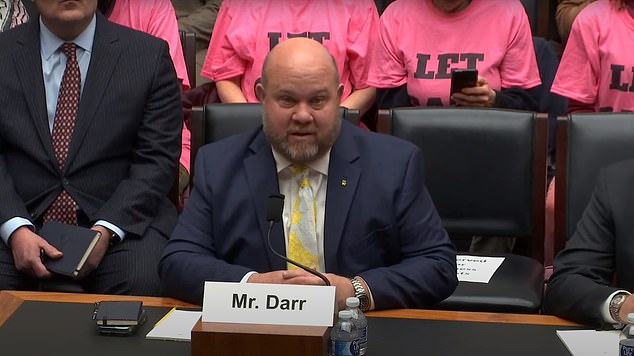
[{"x": 259, "y": 91}]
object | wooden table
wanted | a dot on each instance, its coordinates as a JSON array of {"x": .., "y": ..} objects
[
  {"x": 11, "y": 300},
  {"x": 392, "y": 331}
]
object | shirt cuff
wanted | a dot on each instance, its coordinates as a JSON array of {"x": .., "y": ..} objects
[
  {"x": 9, "y": 227},
  {"x": 605, "y": 308},
  {"x": 112, "y": 227},
  {"x": 246, "y": 276}
]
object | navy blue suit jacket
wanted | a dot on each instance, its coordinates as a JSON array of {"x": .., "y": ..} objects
[{"x": 380, "y": 222}]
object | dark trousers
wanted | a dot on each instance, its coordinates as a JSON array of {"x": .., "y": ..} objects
[{"x": 128, "y": 267}]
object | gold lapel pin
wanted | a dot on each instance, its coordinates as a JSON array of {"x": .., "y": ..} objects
[{"x": 344, "y": 182}]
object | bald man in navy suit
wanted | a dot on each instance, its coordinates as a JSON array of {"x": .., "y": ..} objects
[{"x": 378, "y": 234}]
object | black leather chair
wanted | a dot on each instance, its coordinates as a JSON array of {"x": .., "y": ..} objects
[
  {"x": 586, "y": 142},
  {"x": 188, "y": 43},
  {"x": 216, "y": 121},
  {"x": 486, "y": 172}
]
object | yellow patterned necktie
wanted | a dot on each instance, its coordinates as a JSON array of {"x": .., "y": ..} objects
[
  {"x": 302, "y": 236},
  {"x": 63, "y": 208}
]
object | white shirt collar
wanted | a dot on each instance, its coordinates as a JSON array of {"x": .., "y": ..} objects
[{"x": 319, "y": 165}]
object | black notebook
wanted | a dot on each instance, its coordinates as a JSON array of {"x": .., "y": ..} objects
[
  {"x": 119, "y": 312},
  {"x": 75, "y": 242}
]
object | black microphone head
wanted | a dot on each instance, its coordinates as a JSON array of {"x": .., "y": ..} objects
[{"x": 275, "y": 207}]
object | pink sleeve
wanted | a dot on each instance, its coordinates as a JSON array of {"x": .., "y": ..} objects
[
  {"x": 387, "y": 68},
  {"x": 361, "y": 41},
  {"x": 222, "y": 60},
  {"x": 577, "y": 77},
  {"x": 185, "y": 148},
  {"x": 164, "y": 25},
  {"x": 519, "y": 67}
]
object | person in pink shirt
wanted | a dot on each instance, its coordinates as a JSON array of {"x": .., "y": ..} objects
[
  {"x": 596, "y": 71},
  {"x": 422, "y": 41},
  {"x": 247, "y": 30},
  {"x": 158, "y": 18}
]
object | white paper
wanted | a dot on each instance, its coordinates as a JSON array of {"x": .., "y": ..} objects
[
  {"x": 477, "y": 269},
  {"x": 176, "y": 325},
  {"x": 274, "y": 304},
  {"x": 590, "y": 342}
]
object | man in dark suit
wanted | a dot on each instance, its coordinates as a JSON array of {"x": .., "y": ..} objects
[
  {"x": 594, "y": 275},
  {"x": 376, "y": 231},
  {"x": 110, "y": 169}
]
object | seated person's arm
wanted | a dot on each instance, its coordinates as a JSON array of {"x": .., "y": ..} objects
[
  {"x": 578, "y": 106},
  {"x": 361, "y": 99},
  {"x": 515, "y": 98},
  {"x": 154, "y": 156},
  {"x": 583, "y": 271},
  {"x": 426, "y": 271},
  {"x": 506, "y": 98},
  {"x": 229, "y": 90}
]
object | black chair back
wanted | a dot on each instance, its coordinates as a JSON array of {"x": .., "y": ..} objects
[
  {"x": 586, "y": 142},
  {"x": 485, "y": 169},
  {"x": 216, "y": 121},
  {"x": 188, "y": 43},
  {"x": 486, "y": 172}
]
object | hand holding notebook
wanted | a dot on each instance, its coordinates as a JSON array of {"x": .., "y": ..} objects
[{"x": 75, "y": 242}]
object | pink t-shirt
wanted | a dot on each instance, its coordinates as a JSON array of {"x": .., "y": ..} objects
[
  {"x": 246, "y": 30},
  {"x": 420, "y": 45},
  {"x": 597, "y": 64},
  {"x": 157, "y": 17}
]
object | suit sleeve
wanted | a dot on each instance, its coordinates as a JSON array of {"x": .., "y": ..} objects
[
  {"x": 584, "y": 269},
  {"x": 133, "y": 205},
  {"x": 426, "y": 273},
  {"x": 12, "y": 205},
  {"x": 190, "y": 257}
]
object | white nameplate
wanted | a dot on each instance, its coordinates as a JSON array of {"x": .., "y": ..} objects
[{"x": 277, "y": 304}]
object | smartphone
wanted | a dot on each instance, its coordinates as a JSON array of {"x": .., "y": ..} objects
[{"x": 463, "y": 78}]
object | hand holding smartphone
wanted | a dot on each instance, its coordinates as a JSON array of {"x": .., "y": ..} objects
[{"x": 463, "y": 78}]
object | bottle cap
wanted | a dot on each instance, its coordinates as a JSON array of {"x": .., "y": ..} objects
[
  {"x": 352, "y": 302},
  {"x": 345, "y": 314},
  {"x": 630, "y": 318}
]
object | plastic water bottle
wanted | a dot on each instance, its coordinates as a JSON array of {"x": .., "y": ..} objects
[
  {"x": 626, "y": 345},
  {"x": 344, "y": 336},
  {"x": 362, "y": 323}
]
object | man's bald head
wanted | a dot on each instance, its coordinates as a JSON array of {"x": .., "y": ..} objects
[
  {"x": 298, "y": 53},
  {"x": 300, "y": 94}
]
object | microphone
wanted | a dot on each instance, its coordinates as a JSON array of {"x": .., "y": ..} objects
[{"x": 274, "y": 210}]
